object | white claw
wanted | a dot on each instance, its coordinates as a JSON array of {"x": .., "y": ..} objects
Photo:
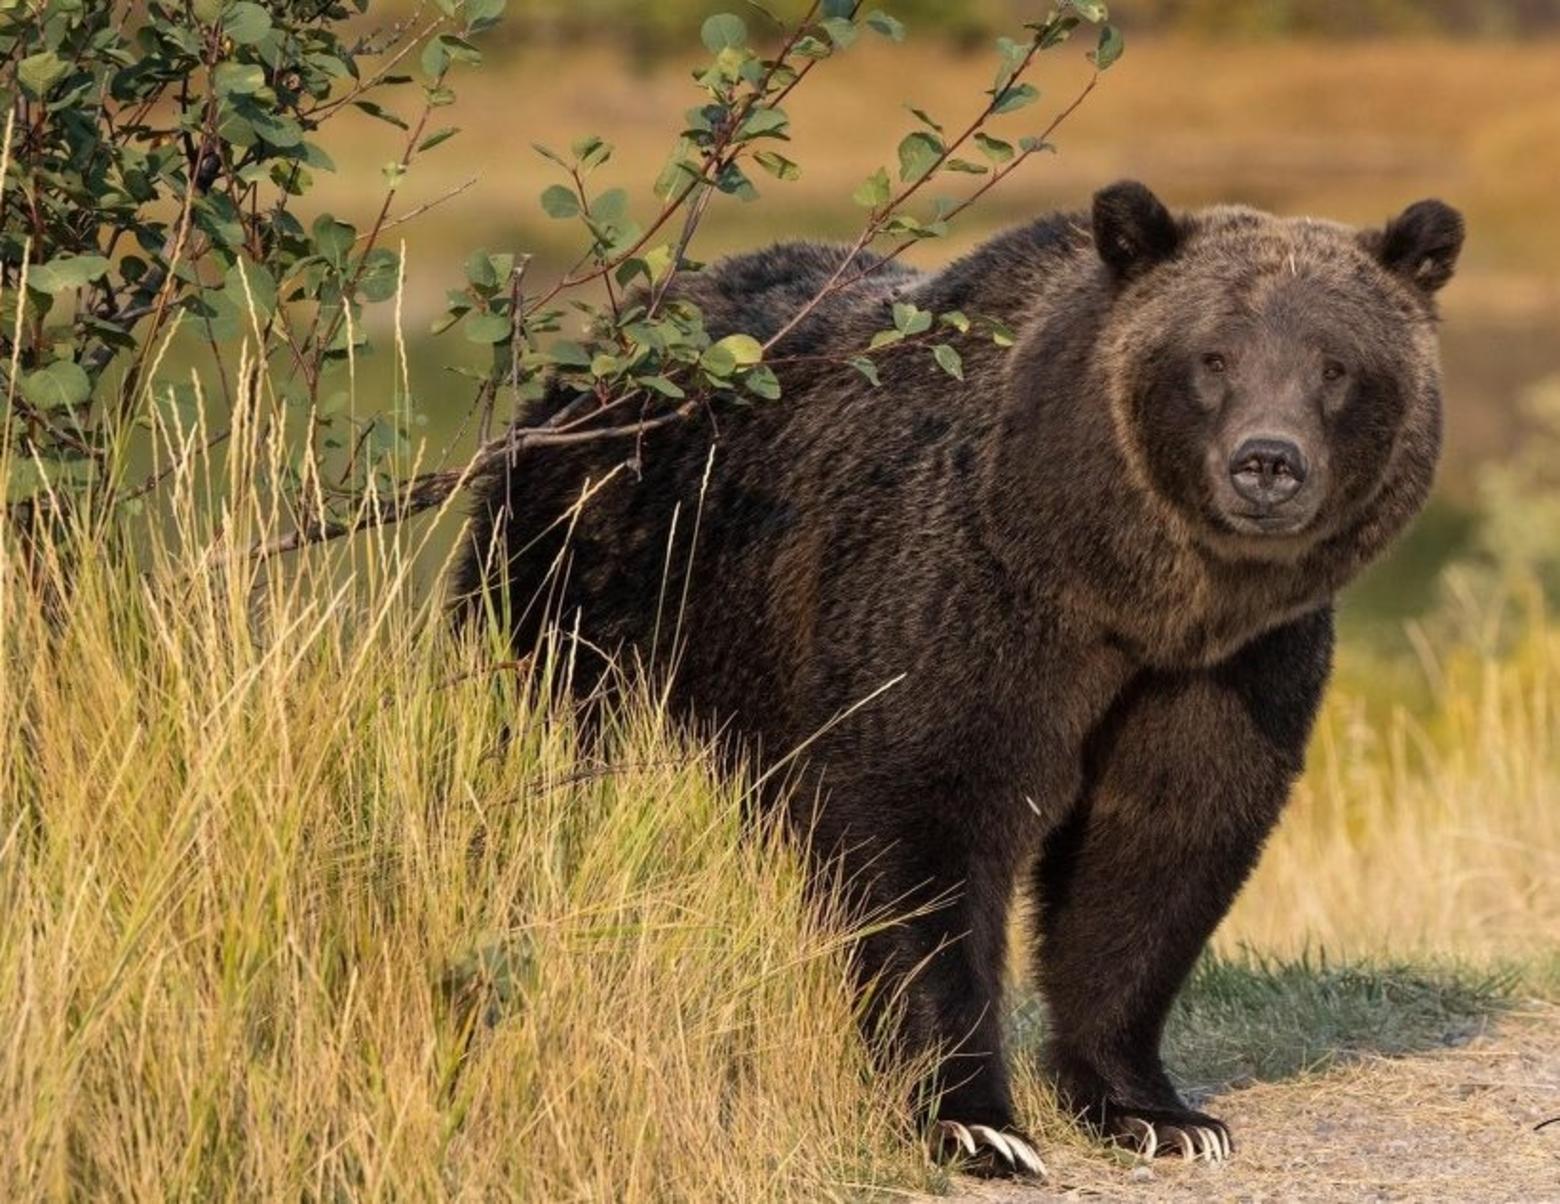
[
  {"x": 1149, "y": 1140},
  {"x": 1028, "y": 1159},
  {"x": 1224, "y": 1137},
  {"x": 996, "y": 1141},
  {"x": 1188, "y": 1150},
  {"x": 960, "y": 1135}
]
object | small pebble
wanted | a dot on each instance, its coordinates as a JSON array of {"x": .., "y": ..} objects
[{"x": 1141, "y": 1174}]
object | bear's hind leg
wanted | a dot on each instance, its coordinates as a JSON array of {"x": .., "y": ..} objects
[{"x": 1186, "y": 779}]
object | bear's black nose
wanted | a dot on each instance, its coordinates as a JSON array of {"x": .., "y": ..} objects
[{"x": 1267, "y": 471}]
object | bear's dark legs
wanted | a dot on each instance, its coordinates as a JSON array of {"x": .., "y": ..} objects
[
  {"x": 1185, "y": 780},
  {"x": 936, "y": 985}
]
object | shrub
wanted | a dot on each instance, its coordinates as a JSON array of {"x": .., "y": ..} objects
[{"x": 154, "y": 168}]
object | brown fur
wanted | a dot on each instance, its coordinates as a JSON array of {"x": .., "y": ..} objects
[{"x": 1104, "y": 669}]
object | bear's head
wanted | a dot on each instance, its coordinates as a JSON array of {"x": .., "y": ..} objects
[{"x": 1266, "y": 374}]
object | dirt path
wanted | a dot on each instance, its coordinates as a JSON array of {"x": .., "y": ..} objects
[{"x": 1453, "y": 1125}]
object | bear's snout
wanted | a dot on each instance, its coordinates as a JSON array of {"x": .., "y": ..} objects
[{"x": 1268, "y": 471}]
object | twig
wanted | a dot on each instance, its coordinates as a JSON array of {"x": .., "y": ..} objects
[
  {"x": 420, "y": 209},
  {"x": 432, "y": 489}
]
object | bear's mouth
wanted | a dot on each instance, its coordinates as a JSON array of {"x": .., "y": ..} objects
[{"x": 1268, "y": 522}]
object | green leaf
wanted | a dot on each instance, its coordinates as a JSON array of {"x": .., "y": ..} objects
[
  {"x": 483, "y": 14},
  {"x": 381, "y": 274},
  {"x": 955, "y": 318},
  {"x": 723, "y": 31},
  {"x": 611, "y": 206},
  {"x": 488, "y": 328},
  {"x": 778, "y": 165},
  {"x": 743, "y": 348},
  {"x": 560, "y": 202},
  {"x": 481, "y": 271},
  {"x": 1110, "y": 47},
  {"x": 889, "y": 27},
  {"x": 867, "y": 368},
  {"x": 333, "y": 239},
  {"x": 278, "y": 130},
  {"x": 261, "y": 288},
  {"x": 568, "y": 354},
  {"x": 762, "y": 382},
  {"x": 40, "y": 72},
  {"x": 67, "y": 271},
  {"x": 994, "y": 149},
  {"x": 966, "y": 166},
  {"x": 379, "y": 111},
  {"x": 62, "y": 383},
  {"x": 734, "y": 182},
  {"x": 550, "y": 155},
  {"x": 718, "y": 361},
  {"x": 842, "y": 32},
  {"x": 661, "y": 385},
  {"x": 1056, "y": 31},
  {"x": 918, "y": 154},
  {"x": 239, "y": 78},
  {"x": 591, "y": 151},
  {"x": 246, "y": 23},
  {"x": 948, "y": 359},
  {"x": 910, "y": 319},
  {"x": 874, "y": 192},
  {"x": 438, "y": 136},
  {"x": 1012, "y": 54},
  {"x": 435, "y": 58},
  {"x": 884, "y": 338},
  {"x": 924, "y": 118},
  {"x": 1016, "y": 96},
  {"x": 764, "y": 121},
  {"x": 1001, "y": 333},
  {"x": 1090, "y": 10}
]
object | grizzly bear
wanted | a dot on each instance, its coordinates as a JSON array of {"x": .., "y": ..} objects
[{"x": 1057, "y": 629}]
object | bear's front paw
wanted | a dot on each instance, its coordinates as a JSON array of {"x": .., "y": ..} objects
[
  {"x": 983, "y": 1150},
  {"x": 1159, "y": 1131}
]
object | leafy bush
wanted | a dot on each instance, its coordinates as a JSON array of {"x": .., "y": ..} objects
[{"x": 155, "y": 163}]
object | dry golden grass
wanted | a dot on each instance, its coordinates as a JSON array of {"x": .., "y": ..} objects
[
  {"x": 298, "y": 899},
  {"x": 1436, "y": 833}
]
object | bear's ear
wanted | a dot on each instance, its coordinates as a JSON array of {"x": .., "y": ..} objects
[
  {"x": 1132, "y": 229},
  {"x": 1420, "y": 245}
]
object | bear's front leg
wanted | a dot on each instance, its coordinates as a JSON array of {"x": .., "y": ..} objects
[
  {"x": 1182, "y": 785},
  {"x": 935, "y": 977}
]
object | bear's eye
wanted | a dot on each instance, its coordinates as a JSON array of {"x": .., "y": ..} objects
[
  {"x": 1332, "y": 371},
  {"x": 1214, "y": 362}
]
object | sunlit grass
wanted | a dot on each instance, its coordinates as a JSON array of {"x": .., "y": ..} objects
[
  {"x": 301, "y": 897},
  {"x": 1433, "y": 832}
]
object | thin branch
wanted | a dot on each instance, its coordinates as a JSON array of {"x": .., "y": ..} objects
[
  {"x": 429, "y": 490},
  {"x": 420, "y": 209}
]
